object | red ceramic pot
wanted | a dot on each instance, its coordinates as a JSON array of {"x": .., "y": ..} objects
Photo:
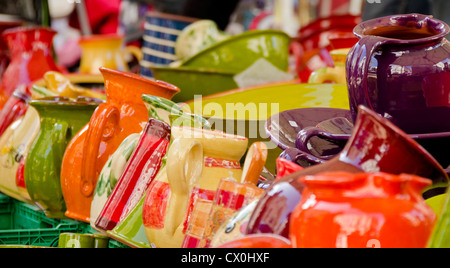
[
  {"x": 346, "y": 210},
  {"x": 31, "y": 56}
]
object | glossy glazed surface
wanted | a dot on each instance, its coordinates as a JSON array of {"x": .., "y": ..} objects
[
  {"x": 31, "y": 56},
  {"x": 15, "y": 144},
  {"x": 143, "y": 166},
  {"x": 346, "y": 210},
  {"x": 399, "y": 69},
  {"x": 390, "y": 150},
  {"x": 59, "y": 121},
  {"x": 238, "y": 52},
  {"x": 122, "y": 114}
]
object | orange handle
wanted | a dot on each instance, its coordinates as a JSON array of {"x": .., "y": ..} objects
[{"x": 101, "y": 127}]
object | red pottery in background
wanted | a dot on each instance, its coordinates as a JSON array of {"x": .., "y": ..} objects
[
  {"x": 347, "y": 210},
  {"x": 31, "y": 56}
]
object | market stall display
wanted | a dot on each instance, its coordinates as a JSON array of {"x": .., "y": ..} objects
[{"x": 336, "y": 137}]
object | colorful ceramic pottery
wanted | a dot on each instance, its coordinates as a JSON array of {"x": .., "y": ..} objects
[
  {"x": 197, "y": 36},
  {"x": 60, "y": 120},
  {"x": 177, "y": 203},
  {"x": 335, "y": 74},
  {"x": 248, "y": 47},
  {"x": 398, "y": 69},
  {"x": 142, "y": 168},
  {"x": 105, "y": 51},
  {"x": 14, "y": 108},
  {"x": 376, "y": 145},
  {"x": 231, "y": 196},
  {"x": 77, "y": 240},
  {"x": 122, "y": 114},
  {"x": 110, "y": 174},
  {"x": 161, "y": 31},
  {"x": 345, "y": 210},
  {"x": 258, "y": 241},
  {"x": 5, "y": 55},
  {"x": 15, "y": 144},
  {"x": 244, "y": 111},
  {"x": 31, "y": 56}
]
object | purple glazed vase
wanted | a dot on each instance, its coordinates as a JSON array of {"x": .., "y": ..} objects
[{"x": 400, "y": 68}]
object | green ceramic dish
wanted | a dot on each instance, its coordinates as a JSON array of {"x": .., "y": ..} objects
[
  {"x": 193, "y": 81},
  {"x": 238, "y": 52}
]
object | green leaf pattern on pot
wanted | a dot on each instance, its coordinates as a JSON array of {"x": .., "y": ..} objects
[{"x": 111, "y": 173}]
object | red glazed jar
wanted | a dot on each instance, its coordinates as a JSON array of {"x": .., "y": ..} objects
[
  {"x": 346, "y": 210},
  {"x": 15, "y": 107},
  {"x": 31, "y": 56}
]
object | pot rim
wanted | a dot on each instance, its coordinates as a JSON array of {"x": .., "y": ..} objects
[{"x": 442, "y": 28}]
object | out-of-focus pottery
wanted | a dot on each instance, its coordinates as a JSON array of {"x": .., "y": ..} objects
[
  {"x": 345, "y": 210},
  {"x": 161, "y": 31},
  {"x": 105, "y": 51},
  {"x": 15, "y": 144},
  {"x": 439, "y": 237},
  {"x": 335, "y": 74},
  {"x": 60, "y": 119},
  {"x": 5, "y": 55},
  {"x": 78, "y": 240},
  {"x": 237, "y": 53},
  {"x": 177, "y": 203},
  {"x": 196, "y": 37},
  {"x": 399, "y": 69},
  {"x": 315, "y": 41},
  {"x": 390, "y": 150},
  {"x": 15, "y": 107},
  {"x": 244, "y": 111},
  {"x": 31, "y": 56},
  {"x": 194, "y": 80},
  {"x": 57, "y": 84},
  {"x": 144, "y": 164},
  {"x": 258, "y": 241},
  {"x": 123, "y": 114}
]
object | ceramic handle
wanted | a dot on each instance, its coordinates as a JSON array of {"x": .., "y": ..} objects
[
  {"x": 357, "y": 69},
  {"x": 254, "y": 163},
  {"x": 184, "y": 165},
  {"x": 303, "y": 137},
  {"x": 135, "y": 51},
  {"x": 295, "y": 155},
  {"x": 325, "y": 74},
  {"x": 101, "y": 127}
]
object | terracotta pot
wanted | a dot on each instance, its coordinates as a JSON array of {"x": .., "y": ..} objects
[
  {"x": 376, "y": 145},
  {"x": 31, "y": 56},
  {"x": 399, "y": 69},
  {"x": 347, "y": 210},
  {"x": 123, "y": 114},
  {"x": 60, "y": 119}
]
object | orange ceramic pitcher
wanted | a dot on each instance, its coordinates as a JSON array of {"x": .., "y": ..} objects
[{"x": 122, "y": 114}]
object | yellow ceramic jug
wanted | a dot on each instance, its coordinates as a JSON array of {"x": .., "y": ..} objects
[
  {"x": 179, "y": 199},
  {"x": 105, "y": 51},
  {"x": 14, "y": 145}
]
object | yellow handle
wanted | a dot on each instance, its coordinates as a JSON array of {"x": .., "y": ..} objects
[
  {"x": 336, "y": 75},
  {"x": 184, "y": 165},
  {"x": 135, "y": 51}
]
